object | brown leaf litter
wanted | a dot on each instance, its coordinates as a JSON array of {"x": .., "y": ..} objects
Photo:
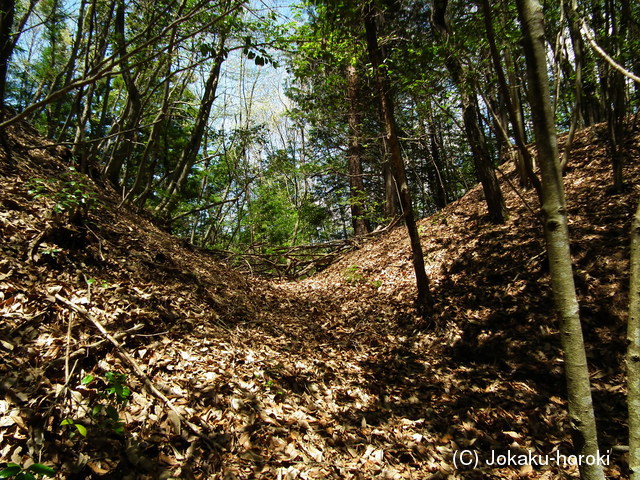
[{"x": 333, "y": 376}]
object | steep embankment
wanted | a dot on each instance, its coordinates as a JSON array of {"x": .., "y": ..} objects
[{"x": 330, "y": 377}]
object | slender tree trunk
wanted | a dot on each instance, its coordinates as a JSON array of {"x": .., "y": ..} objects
[
  {"x": 571, "y": 10},
  {"x": 481, "y": 158},
  {"x": 436, "y": 174},
  {"x": 391, "y": 208},
  {"x": 617, "y": 104},
  {"x": 190, "y": 151},
  {"x": 355, "y": 154},
  {"x": 7, "y": 13},
  {"x": 159, "y": 122},
  {"x": 557, "y": 240},
  {"x": 133, "y": 110},
  {"x": 633, "y": 351},
  {"x": 439, "y": 173},
  {"x": 524, "y": 162},
  {"x": 424, "y": 301}
]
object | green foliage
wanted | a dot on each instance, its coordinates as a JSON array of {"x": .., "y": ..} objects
[
  {"x": 45, "y": 249},
  {"x": 354, "y": 275},
  {"x": 82, "y": 430},
  {"x": 32, "y": 472},
  {"x": 111, "y": 394},
  {"x": 72, "y": 194}
]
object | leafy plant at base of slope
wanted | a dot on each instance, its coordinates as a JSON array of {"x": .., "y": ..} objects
[
  {"x": 32, "y": 472},
  {"x": 72, "y": 195},
  {"x": 46, "y": 249},
  {"x": 353, "y": 275},
  {"x": 112, "y": 397}
]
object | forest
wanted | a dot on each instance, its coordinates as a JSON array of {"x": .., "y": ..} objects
[{"x": 321, "y": 239}]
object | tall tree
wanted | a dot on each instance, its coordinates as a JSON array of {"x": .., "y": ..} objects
[
  {"x": 425, "y": 300},
  {"x": 633, "y": 352},
  {"x": 7, "y": 13},
  {"x": 468, "y": 91},
  {"x": 525, "y": 163},
  {"x": 556, "y": 231},
  {"x": 355, "y": 154},
  {"x": 192, "y": 147}
]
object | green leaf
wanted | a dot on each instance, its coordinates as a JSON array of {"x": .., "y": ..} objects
[
  {"x": 82, "y": 430},
  {"x": 41, "y": 469},
  {"x": 26, "y": 476},
  {"x": 67, "y": 421},
  {"x": 112, "y": 413},
  {"x": 88, "y": 378},
  {"x": 11, "y": 470}
]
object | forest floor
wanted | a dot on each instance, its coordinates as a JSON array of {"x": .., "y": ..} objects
[{"x": 331, "y": 377}]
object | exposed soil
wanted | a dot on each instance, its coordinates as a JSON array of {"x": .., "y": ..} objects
[{"x": 332, "y": 377}]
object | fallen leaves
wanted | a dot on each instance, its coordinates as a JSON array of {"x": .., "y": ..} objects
[{"x": 326, "y": 378}]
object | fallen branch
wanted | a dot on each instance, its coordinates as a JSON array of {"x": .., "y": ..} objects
[
  {"x": 124, "y": 355},
  {"x": 299, "y": 260}
]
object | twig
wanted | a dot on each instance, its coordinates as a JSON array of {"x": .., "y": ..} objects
[
  {"x": 82, "y": 350},
  {"x": 517, "y": 192},
  {"x": 99, "y": 243},
  {"x": 35, "y": 243},
  {"x": 124, "y": 355}
]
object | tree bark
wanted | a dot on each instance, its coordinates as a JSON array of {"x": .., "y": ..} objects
[
  {"x": 133, "y": 109},
  {"x": 485, "y": 172},
  {"x": 524, "y": 162},
  {"x": 355, "y": 154},
  {"x": 7, "y": 13},
  {"x": 633, "y": 351},
  {"x": 190, "y": 151},
  {"x": 581, "y": 413},
  {"x": 424, "y": 301}
]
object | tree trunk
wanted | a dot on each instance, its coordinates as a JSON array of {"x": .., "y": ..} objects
[
  {"x": 616, "y": 95},
  {"x": 7, "y": 13},
  {"x": 633, "y": 351},
  {"x": 581, "y": 413},
  {"x": 481, "y": 158},
  {"x": 524, "y": 162},
  {"x": 133, "y": 110},
  {"x": 390, "y": 209},
  {"x": 424, "y": 301},
  {"x": 355, "y": 154},
  {"x": 190, "y": 151},
  {"x": 432, "y": 145}
]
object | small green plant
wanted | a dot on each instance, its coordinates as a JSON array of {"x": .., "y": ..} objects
[
  {"x": 48, "y": 250},
  {"x": 72, "y": 194},
  {"x": 81, "y": 429},
  {"x": 112, "y": 395},
  {"x": 354, "y": 275},
  {"x": 92, "y": 281},
  {"x": 32, "y": 472}
]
